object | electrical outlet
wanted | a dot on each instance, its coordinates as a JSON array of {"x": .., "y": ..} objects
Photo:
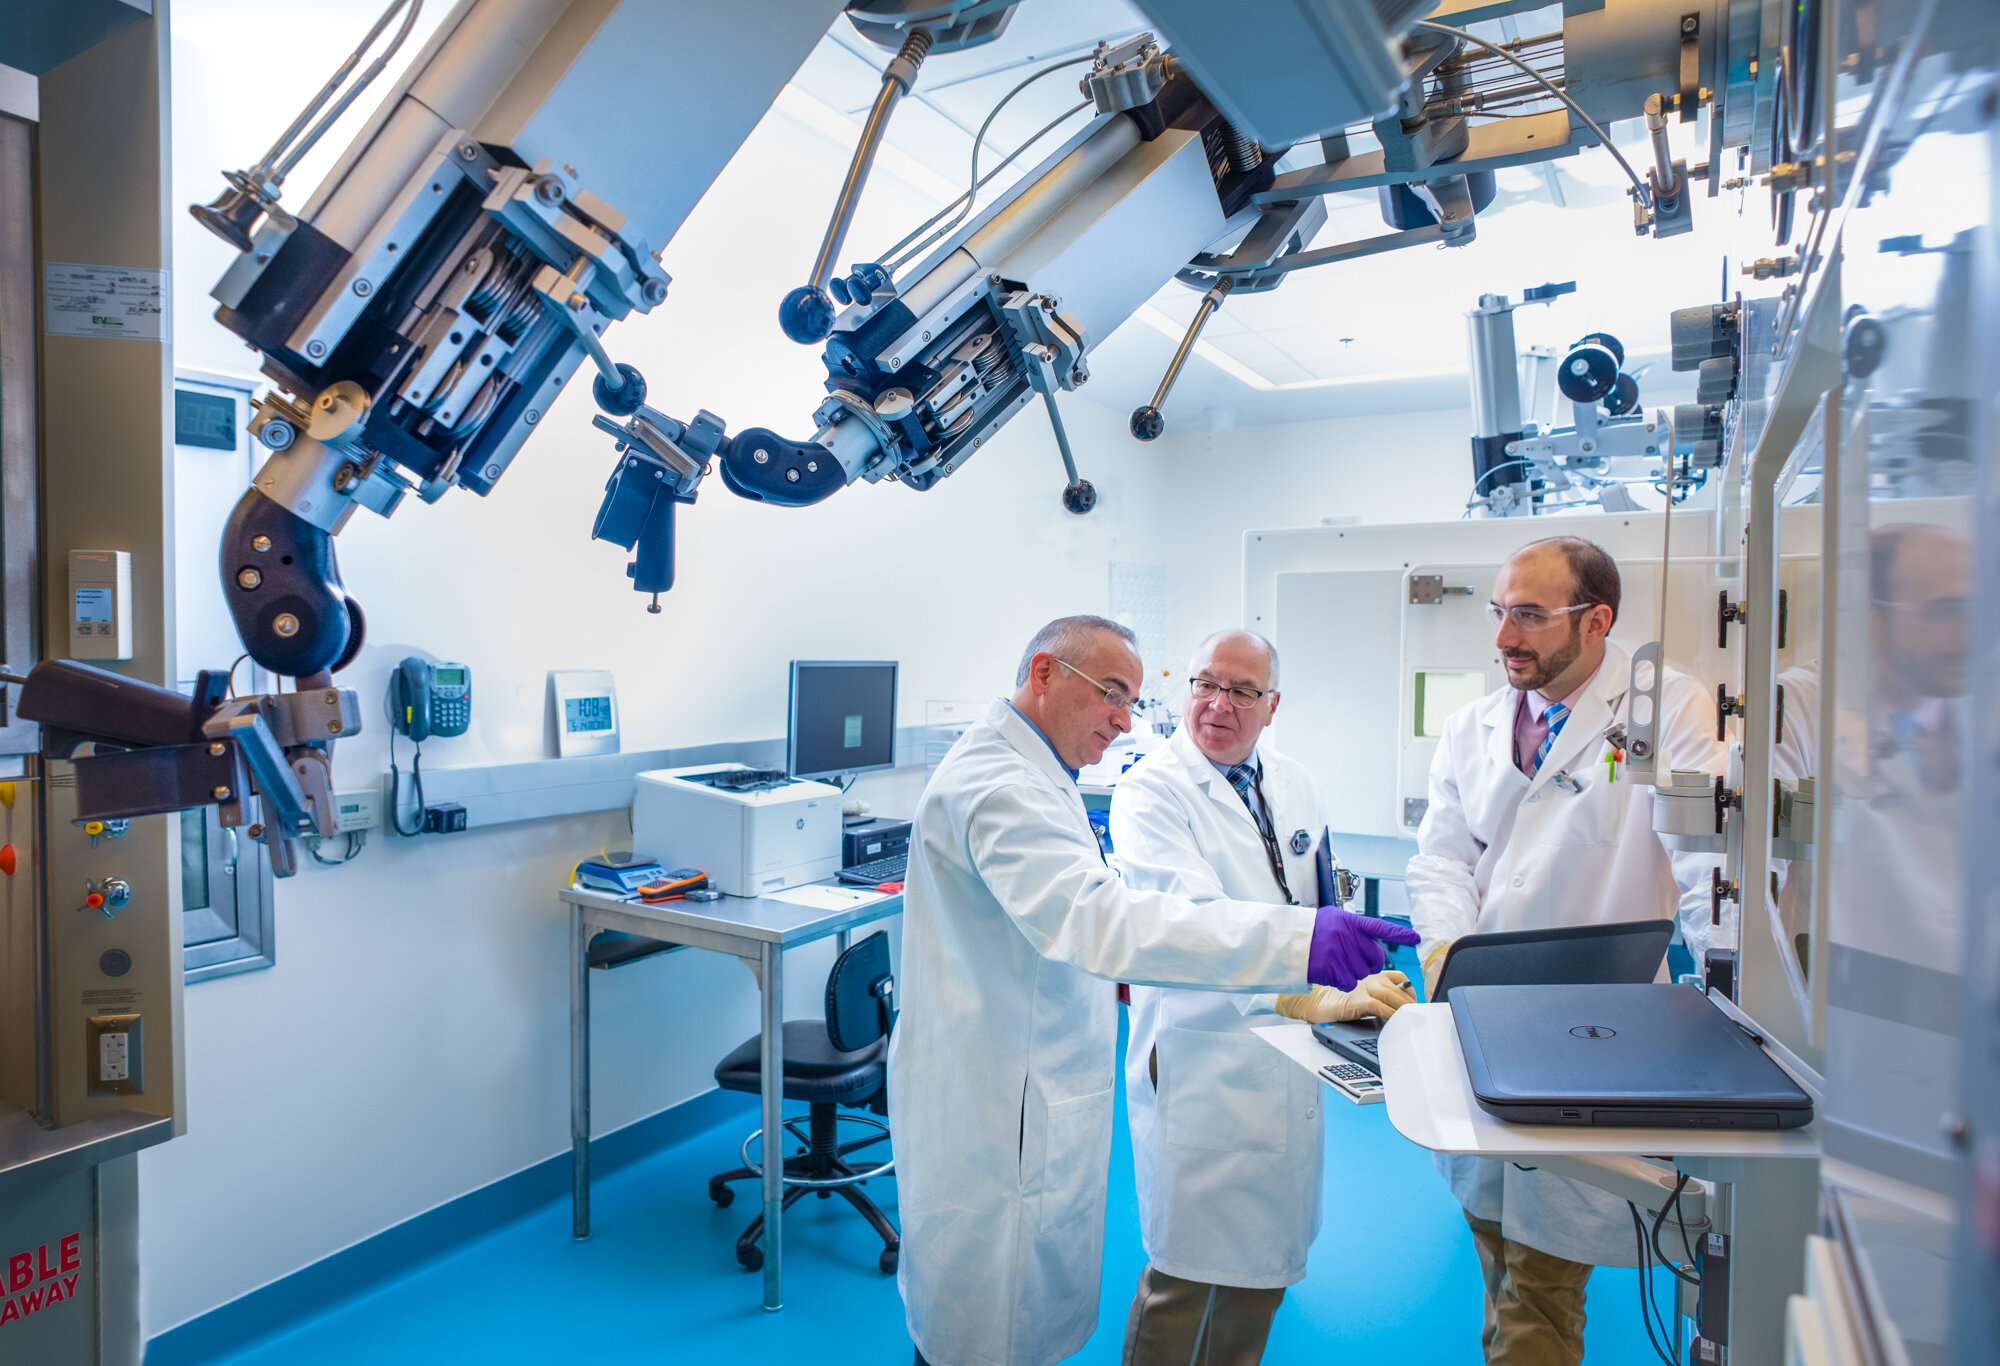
[
  {"x": 116, "y": 1062},
  {"x": 356, "y": 811}
]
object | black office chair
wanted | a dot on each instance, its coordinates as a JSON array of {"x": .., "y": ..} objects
[{"x": 841, "y": 1060}]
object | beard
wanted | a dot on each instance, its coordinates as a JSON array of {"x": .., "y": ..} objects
[{"x": 1545, "y": 668}]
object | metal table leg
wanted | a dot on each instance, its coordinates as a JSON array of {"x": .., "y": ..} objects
[
  {"x": 579, "y": 1073},
  {"x": 770, "y": 980}
]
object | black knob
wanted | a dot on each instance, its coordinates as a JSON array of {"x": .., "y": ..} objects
[
  {"x": 626, "y": 400},
  {"x": 1147, "y": 423},
  {"x": 1864, "y": 346},
  {"x": 1079, "y": 497}
]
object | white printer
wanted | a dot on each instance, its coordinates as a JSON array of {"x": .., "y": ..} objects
[{"x": 751, "y": 830}]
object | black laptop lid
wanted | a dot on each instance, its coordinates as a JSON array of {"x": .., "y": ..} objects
[
  {"x": 1655, "y": 1045},
  {"x": 1629, "y": 951}
]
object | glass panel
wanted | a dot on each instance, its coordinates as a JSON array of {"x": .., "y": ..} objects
[
  {"x": 1919, "y": 368},
  {"x": 1440, "y": 692},
  {"x": 194, "y": 859}
]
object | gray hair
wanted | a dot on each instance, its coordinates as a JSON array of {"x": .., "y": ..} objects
[
  {"x": 1262, "y": 642},
  {"x": 1067, "y": 636}
]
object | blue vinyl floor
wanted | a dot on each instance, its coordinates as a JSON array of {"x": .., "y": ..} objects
[{"x": 1393, "y": 1277}]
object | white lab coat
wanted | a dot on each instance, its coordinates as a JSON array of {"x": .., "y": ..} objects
[
  {"x": 1228, "y": 1149},
  {"x": 1498, "y": 851},
  {"x": 1001, "y": 1069}
]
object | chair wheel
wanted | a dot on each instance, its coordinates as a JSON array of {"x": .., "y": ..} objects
[
  {"x": 751, "y": 1257},
  {"x": 887, "y": 1261},
  {"x": 722, "y": 1195}
]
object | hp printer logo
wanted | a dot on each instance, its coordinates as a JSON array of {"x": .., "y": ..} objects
[{"x": 1594, "y": 1032}]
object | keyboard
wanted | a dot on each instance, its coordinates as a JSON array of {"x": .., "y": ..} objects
[
  {"x": 1355, "y": 1044},
  {"x": 890, "y": 869}
]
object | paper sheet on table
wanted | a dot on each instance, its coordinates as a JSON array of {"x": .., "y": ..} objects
[
  {"x": 1294, "y": 1038},
  {"x": 819, "y": 897}
]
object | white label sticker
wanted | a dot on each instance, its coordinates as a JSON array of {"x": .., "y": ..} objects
[{"x": 104, "y": 301}]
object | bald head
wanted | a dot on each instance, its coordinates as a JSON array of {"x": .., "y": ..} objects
[{"x": 1239, "y": 639}]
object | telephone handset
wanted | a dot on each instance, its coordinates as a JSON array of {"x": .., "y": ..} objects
[{"x": 430, "y": 699}]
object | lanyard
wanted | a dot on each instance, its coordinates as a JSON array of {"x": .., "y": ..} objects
[{"x": 1267, "y": 831}]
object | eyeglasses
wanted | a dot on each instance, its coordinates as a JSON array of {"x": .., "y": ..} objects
[
  {"x": 1205, "y": 688},
  {"x": 1935, "y": 611},
  {"x": 1532, "y": 618},
  {"x": 1114, "y": 698}
]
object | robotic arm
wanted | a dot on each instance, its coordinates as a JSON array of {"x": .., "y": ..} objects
[{"x": 498, "y": 212}]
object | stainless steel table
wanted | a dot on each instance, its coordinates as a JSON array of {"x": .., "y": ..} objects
[{"x": 756, "y": 930}]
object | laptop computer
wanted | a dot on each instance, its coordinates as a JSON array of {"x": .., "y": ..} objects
[
  {"x": 1649, "y": 1055},
  {"x": 1629, "y": 951}
]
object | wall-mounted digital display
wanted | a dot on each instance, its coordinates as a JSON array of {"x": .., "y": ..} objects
[
  {"x": 587, "y": 713},
  {"x": 204, "y": 421}
]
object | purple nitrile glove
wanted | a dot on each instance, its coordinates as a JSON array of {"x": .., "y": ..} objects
[{"x": 1345, "y": 948}]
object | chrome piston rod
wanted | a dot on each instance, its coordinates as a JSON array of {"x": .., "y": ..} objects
[{"x": 1146, "y": 422}]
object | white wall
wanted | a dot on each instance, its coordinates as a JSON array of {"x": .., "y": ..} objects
[
  {"x": 411, "y": 1043},
  {"x": 1411, "y": 467}
]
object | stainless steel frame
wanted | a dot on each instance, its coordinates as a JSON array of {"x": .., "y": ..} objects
[{"x": 755, "y": 930}]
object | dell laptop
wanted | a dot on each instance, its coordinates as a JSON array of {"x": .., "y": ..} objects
[{"x": 1647, "y": 1055}]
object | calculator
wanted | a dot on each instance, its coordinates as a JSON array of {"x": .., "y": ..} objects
[{"x": 1359, "y": 1084}]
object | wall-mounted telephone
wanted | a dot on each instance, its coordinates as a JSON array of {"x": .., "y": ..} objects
[{"x": 430, "y": 699}]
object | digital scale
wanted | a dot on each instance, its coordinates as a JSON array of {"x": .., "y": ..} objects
[{"x": 621, "y": 873}]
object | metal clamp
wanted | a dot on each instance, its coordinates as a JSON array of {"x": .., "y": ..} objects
[
  {"x": 1718, "y": 890},
  {"x": 1726, "y": 707},
  {"x": 1726, "y": 612}
]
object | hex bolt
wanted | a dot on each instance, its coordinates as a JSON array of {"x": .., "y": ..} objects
[
  {"x": 333, "y": 727},
  {"x": 316, "y": 349},
  {"x": 285, "y": 624},
  {"x": 260, "y": 544},
  {"x": 467, "y": 152},
  {"x": 362, "y": 289},
  {"x": 532, "y": 416},
  {"x": 761, "y": 456},
  {"x": 346, "y": 477},
  {"x": 1690, "y": 24},
  {"x": 248, "y": 578},
  {"x": 331, "y": 697},
  {"x": 492, "y": 471},
  {"x": 791, "y": 476}
]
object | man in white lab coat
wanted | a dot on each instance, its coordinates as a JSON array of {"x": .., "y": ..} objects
[
  {"x": 1227, "y": 1134},
  {"x": 1001, "y": 1069},
  {"x": 1525, "y": 830}
]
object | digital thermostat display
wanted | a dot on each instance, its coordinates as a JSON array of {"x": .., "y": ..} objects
[
  {"x": 587, "y": 713},
  {"x": 94, "y": 604}
]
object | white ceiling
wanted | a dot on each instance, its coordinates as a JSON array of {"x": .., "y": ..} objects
[{"x": 1380, "y": 334}]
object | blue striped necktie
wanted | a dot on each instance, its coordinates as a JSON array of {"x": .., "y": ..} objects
[
  {"x": 1553, "y": 718},
  {"x": 1241, "y": 777}
]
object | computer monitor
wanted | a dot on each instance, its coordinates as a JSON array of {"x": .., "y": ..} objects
[{"x": 843, "y": 717}]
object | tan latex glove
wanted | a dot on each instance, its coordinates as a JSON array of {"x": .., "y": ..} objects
[
  {"x": 1433, "y": 962},
  {"x": 1381, "y": 995}
]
